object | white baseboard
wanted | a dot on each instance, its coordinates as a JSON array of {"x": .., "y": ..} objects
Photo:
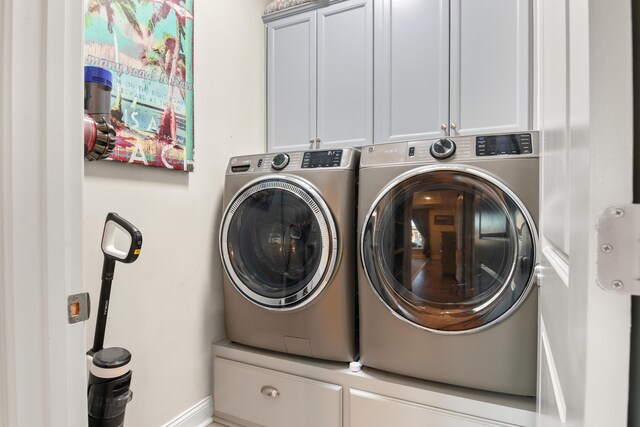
[{"x": 199, "y": 415}]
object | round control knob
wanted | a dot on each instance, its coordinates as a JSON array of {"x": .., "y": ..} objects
[
  {"x": 280, "y": 161},
  {"x": 443, "y": 149}
]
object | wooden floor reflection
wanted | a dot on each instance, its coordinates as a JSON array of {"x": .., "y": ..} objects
[{"x": 428, "y": 282}]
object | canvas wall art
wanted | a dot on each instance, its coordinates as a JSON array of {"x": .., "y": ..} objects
[{"x": 148, "y": 46}]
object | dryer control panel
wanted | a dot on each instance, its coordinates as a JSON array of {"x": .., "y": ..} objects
[
  {"x": 495, "y": 145},
  {"x": 454, "y": 149}
]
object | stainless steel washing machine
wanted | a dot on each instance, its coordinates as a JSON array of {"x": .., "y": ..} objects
[
  {"x": 448, "y": 247},
  {"x": 288, "y": 245}
]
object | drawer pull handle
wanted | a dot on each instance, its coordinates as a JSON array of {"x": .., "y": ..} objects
[{"x": 267, "y": 390}]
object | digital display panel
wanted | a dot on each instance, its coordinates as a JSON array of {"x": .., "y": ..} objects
[
  {"x": 496, "y": 145},
  {"x": 321, "y": 159}
]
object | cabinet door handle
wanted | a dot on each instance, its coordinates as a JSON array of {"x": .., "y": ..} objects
[
  {"x": 317, "y": 143},
  {"x": 311, "y": 141},
  {"x": 444, "y": 126},
  {"x": 267, "y": 390}
]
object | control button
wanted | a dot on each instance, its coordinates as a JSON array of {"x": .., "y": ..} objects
[
  {"x": 260, "y": 163},
  {"x": 442, "y": 149},
  {"x": 280, "y": 161},
  {"x": 412, "y": 151}
]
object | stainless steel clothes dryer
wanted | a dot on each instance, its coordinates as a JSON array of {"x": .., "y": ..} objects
[
  {"x": 288, "y": 246},
  {"x": 448, "y": 251}
]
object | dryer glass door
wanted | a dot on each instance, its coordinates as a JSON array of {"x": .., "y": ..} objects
[
  {"x": 278, "y": 242},
  {"x": 449, "y": 250}
]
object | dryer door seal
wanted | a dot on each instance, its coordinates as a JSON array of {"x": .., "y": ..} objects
[
  {"x": 279, "y": 242},
  {"x": 449, "y": 249}
]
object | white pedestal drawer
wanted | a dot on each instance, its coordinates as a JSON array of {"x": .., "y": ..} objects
[
  {"x": 370, "y": 409},
  {"x": 313, "y": 392},
  {"x": 250, "y": 395}
]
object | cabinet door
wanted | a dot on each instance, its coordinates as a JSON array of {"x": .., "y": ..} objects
[
  {"x": 291, "y": 82},
  {"x": 489, "y": 66},
  {"x": 411, "y": 69},
  {"x": 345, "y": 74}
]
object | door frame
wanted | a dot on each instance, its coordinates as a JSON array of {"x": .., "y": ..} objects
[
  {"x": 42, "y": 361},
  {"x": 584, "y": 341}
]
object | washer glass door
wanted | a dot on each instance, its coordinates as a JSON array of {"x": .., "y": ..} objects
[
  {"x": 450, "y": 250},
  {"x": 278, "y": 242}
]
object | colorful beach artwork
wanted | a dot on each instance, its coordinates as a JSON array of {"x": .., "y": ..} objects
[{"x": 148, "y": 46}]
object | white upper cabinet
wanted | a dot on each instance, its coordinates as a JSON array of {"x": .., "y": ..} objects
[
  {"x": 490, "y": 62},
  {"x": 320, "y": 78},
  {"x": 291, "y": 81},
  {"x": 411, "y": 69},
  {"x": 345, "y": 75},
  {"x": 451, "y": 67}
]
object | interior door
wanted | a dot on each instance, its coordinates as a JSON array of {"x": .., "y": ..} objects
[
  {"x": 43, "y": 364},
  {"x": 586, "y": 121}
]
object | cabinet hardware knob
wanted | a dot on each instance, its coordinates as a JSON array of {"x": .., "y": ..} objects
[
  {"x": 267, "y": 390},
  {"x": 443, "y": 126},
  {"x": 317, "y": 142},
  {"x": 453, "y": 126}
]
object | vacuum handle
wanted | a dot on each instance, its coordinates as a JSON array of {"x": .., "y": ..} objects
[
  {"x": 112, "y": 225},
  {"x": 103, "y": 307}
]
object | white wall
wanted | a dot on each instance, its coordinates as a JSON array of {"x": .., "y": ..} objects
[{"x": 166, "y": 308}]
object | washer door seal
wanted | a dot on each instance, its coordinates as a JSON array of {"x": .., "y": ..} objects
[
  {"x": 278, "y": 242},
  {"x": 450, "y": 249}
]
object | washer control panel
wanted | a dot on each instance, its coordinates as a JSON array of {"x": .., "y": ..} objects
[
  {"x": 321, "y": 159},
  {"x": 280, "y": 161},
  {"x": 292, "y": 161},
  {"x": 496, "y": 145}
]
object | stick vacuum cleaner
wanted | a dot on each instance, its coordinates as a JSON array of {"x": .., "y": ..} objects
[{"x": 110, "y": 376}]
